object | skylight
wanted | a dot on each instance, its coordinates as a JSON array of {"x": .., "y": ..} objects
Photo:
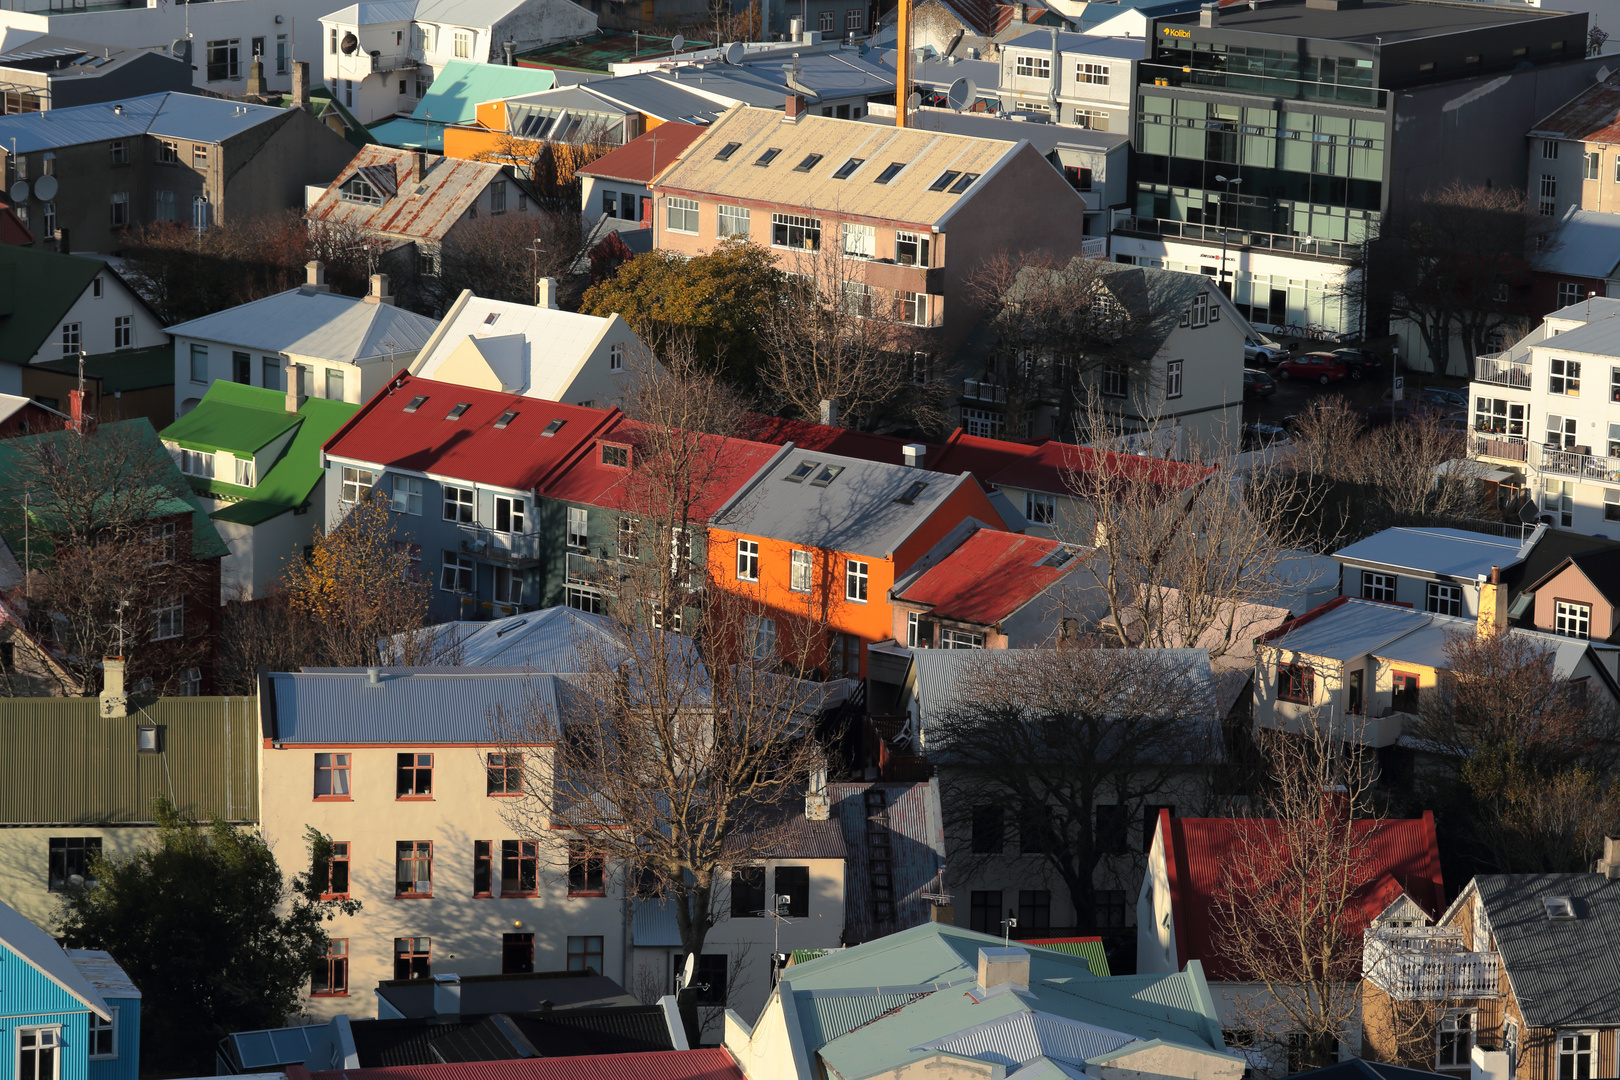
[
  {"x": 810, "y": 161},
  {"x": 827, "y": 475},
  {"x": 890, "y": 171},
  {"x": 964, "y": 183},
  {"x": 768, "y": 156},
  {"x": 489, "y": 320},
  {"x": 416, "y": 403},
  {"x": 946, "y": 179},
  {"x": 506, "y": 418},
  {"x": 726, "y": 151},
  {"x": 917, "y": 487},
  {"x": 553, "y": 427},
  {"x": 800, "y": 471},
  {"x": 455, "y": 413},
  {"x": 848, "y": 167},
  {"x": 1559, "y": 907}
]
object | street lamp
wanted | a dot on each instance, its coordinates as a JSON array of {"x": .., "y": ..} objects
[{"x": 1220, "y": 281}]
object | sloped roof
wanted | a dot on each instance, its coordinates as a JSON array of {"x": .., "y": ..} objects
[
  {"x": 640, "y": 159},
  {"x": 510, "y": 993},
  {"x": 1587, "y": 244},
  {"x": 550, "y": 344},
  {"x": 661, "y": 98},
  {"x": 1091, "y": 948},
  {"x": 462, "y": 85},
  {"x": 172, "y": 114},
  {"x": 470, "y": 447},
  {"x": 102, "y": 972},
  {"x": 1563, "y": 973},
  {"x": 1593, "y": 115},
  {"x": 547, "y": 640},
  {"x": 426, "y": 206},
  {"x": 40, "y": 951},
  {"x": 126, "y": 369},
  {"x": 1198, "y": 851},
  {"x": 308, "y": 322},
  {"x": 12, "y": 404},
  {"x": 911, "y": 817},
  {"x": 988, "y": 577},
  {"x": 1054, "y": 467},
  {"x": 1601, "y": 568},
  {"x": 1362, "y": 1069},
  {"x": 36, "y": 290},
  {"x": 500, "y": 1036},
  {"x": 1455, "y": 553},
  {"x": 1154, "y": 298},
  {"x": 241, "y": 423},
  {"x": 834, "y": 440},
  {"x": 12, "y": 229},
  {"x": 655, "y": 1065}
]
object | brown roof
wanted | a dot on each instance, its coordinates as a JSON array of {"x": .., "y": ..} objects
[
  {"x": 640, "y": 159},
  {"x": 1593, "y": 115},
  {"x": 416, "y": 205}
]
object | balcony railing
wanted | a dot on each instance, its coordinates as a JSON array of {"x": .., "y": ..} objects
[
  {"x": 1094, "y": 247},
  {"x": 981, "y": 390},
  {"x": 511, "y": 548},
  {"x": 1238, "y": 238},
  {"x": 395, "y": 62},
  {"x": 1499, "y": 372},
  {"x": 1428, "y": 963},
  {"x": 1502, "y": 447},
  {"x": 1577, "y": 461}
]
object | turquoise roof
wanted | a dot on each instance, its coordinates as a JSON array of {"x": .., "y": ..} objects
[
  {"x": 407, "y": 134},
  {"x": 462, "y": 84}
]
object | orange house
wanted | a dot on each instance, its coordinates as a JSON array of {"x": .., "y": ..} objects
[{"x": 821, "y": 538}]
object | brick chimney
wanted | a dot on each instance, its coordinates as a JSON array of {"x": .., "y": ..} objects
[
  {"x": 1001, "y": 966},
  {"x": 300, "y": 84},
  {"x": 295, "y": 387},
  {"x": 114, "y": 702},
  {"x": 378, "y": 293},
  {"x": 76, "y": 409},
  {"x": 795, "y": 109},
  {"x": 1493, "y": 605}
]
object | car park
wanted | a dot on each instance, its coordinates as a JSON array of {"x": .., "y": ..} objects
[
  {"x": 1318, "y": 367},
  {"x": 1258, "y": 384},
  {"x": 1263, "y": 350},
  {"x": 1362, "y": 363}
]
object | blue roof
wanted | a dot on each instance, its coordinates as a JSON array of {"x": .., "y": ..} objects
[
  {"x": 1454, "y": 553},
  {"x": 181, "y": 116},
  {"x": 408, "y": 134},
  {"x": 462, "y": 84},
  {"x": 409, "y": 706}
]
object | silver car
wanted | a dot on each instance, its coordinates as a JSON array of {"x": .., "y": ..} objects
[{"x": 1268, "y": 352}]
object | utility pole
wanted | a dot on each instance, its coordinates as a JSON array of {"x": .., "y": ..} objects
[
  {"x": 1220, "y": 281},
  {"x": 902, "y": 64}
]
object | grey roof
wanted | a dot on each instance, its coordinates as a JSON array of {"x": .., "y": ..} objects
[
  {"x": 1454, "y": 553},
  {"x": 411, "y": 706},
  {"x": 1600, "y": 337},
  {"x": 859, "y": 511},
  {"x": 510, "y": 993},
  {"x": 941, "y": 72},
  {"x": 576, "y": 99},
  {"x": 1599, "y": 307},
  {"x": 40, "y": 951},
  {"x": 1564, "y": 972},
  {"x": 182, "y": 116},
  {"x": 1391, "y": 20},
  {"x": 1587, "y": 244},
  {"x": 309, "y": 323},
  {"x": 657, "y": 97},
  {"x": 101, "y": 971},
  {"x": 1090, "y": 44},
  {"x": 264, "y": 1050},
  {"x": 1353, "y": 629},
  {"x": 912, "y": 823},
  {"x": 66, "y": 59},
  {"x": 548, "y": 640},
  {"x": 1362, "y": 1069},
  {"x": 1045, "y": 138},
  {"x": 473, "y": 13}
]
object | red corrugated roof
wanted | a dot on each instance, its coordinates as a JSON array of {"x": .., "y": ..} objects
[
  {"x": 12, "y": 229},
  {"x": 1593, "y": 115},
  {"x": 1198, "y": 851},
  {"x": 830, "y": 440},
  {"x": 712, "y": 1064},
  {"x": 643, "y": 157},
  {"x": 1053, "y": 466},
  {"x": 988, "y": 577},
  {"x": 469, "y": 447}
]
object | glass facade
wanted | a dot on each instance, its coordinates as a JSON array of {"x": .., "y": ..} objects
[{"x": 1275, "y": 73}]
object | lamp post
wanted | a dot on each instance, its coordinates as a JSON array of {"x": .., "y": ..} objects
[{"x": 1220, "y": 281}]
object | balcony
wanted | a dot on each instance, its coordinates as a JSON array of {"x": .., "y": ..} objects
[
  {"x": 510, "y": 549},
  {"x": 982, "y": 390},
  {"x": 1237, "y": 238},
  {"x": 1428, "y": 963},
  {"x": 1500, "y": 447},
  {"x": 1498, "y": 372},
  {"x": 1579, "y": 461},
  {"x": 1094, "y": 247},
  {"x": 381, "y": 64}
]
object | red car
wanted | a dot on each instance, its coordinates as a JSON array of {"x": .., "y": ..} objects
[{"x": 1321, "y": 366}]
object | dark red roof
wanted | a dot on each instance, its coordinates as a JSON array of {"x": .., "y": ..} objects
[
  {"x": 469, "y": 447},
  {"x": 830, "y": 440},
  {"x": 1198, "y": 850},
  {"x": 988, "y": 577},
  {"x": 12, "y": 229},
  {"x": 648, "y": 154},
  {"x": 714, "y": 1064},
  {"x": 1053, "y": 466}
]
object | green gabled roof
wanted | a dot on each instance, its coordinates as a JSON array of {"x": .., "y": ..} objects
[
  {"x": 1090, "y": 948},
  {"x": 127, "y": 369},
  {"x": 36, "y": 289},
  {"x": 287, "y": 484},
  {"x": 354, "y": 131}
]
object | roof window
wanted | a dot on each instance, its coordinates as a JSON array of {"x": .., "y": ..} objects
[
  {"x": 890, "y": 171},
  {"x": 946, "y": 179},
  {"x": 827, "y": 475},
  {"x": 800, "y": 471},
  {"x": 506, "y": 418},
  {"x": 768, "y": 156},
  {"x": 727, "y": 150},
  {"x": 553, "y": 427},
  {"x": 1559, "y": 908},
  {"x": 810, "y": 161},
  {"x": 455, "y": 413},
  {"x": 917, "y": 487},
  {"x": 1058, "y": 557},
  {"x": 848, "y": 167},
  {"x": 617, "y": 456},
  {"x": 416, "y": 403},
  {"x": 964, "y": 183},
  {"x": 489, "y": 320}
]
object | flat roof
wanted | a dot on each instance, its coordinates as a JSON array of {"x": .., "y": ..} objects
[{"x": 1389, "y": 20}]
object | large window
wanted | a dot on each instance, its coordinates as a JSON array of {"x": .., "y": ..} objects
[
  {"x": 1032, "y": 67},
  {"x": 1558, "y": 500},
  {"x": 1561, "y": 431},
  {"x": 911, "y": 249},
  {"x": 1115, "y": 380},
  {"x": 224, "y": 59},
  {"x": 331, "y": 776},
  {"x": 960, "y": 639},
  {"x": 1591, "y": 160},
  {"x": 1403, "y": 692},
  {"x": 509, "y": 514},
  {"x": 1034, "y": 909},
  {"x": 457, "y": 574},
  {"x": 1572, "y": 620},
  {"x": 1569, "y": 292},
  {"x": 733, "y": 221},
  {"x": 761, "y": 637},
  {"x": 104, "y": 1035},
  {"x": 72, "y": 336},
  {"x": 463, "y": 42},
  {"x": 1443, "y": 599},
  {"x": 585, "y": 953},
  {"x": 169, "y": 618},
  {"x": 793, "y": 884},
  {"x": 1565, "y": 378},
  {"x": 587, "y": 870},
  {"x": 989, "y": 830},
  {"x": 1094, "y": 119},
  {"x": 681, "y": 215},
  {"x": 747, "y": 560},
  {"x": 458, "y": 505},
  {"x": 1375, "y": 586},
  {"x": 1500, "y": 416},
  {"x": 407, "y": 495},
  {"x": 413, "y": 958},
  {"x": 356, "y": 482},
  {"x": 794, "y": 231},
  {"x": 578, "y": 528},
  {"x": 70, "y": 861},
  {"x": 1095, "y": 74},
  {"x": 520, "y": 867},
  {"x": 199, "y": 363},
  {"x": 1040, "y": 508},
  {"x": 800, "y": 573},
  {"x": 504, "y": 773},
  {"x": 517, "y": 954},
  {"x": 413, "y": 776},
  {"x": 333, "y": 876},
  {"x": 860, "y": 241},
  {"x": 1577, "y": 1055},
  {"x": 985, "y": 911},
  {"x": 629, "y": 533},
  {"x": 331, "y": 977},
  {"x": 123, "y": 332},
  {"x": 413, "y": 868},
  {"x": 38, "y": 1049},
  {"x": 855, "y": 581},
  {"x": 1296, "y": 683},
  {"x": 747, "y": 892}
]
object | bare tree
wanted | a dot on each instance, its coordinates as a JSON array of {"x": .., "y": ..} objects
[
  {"x": 268, "y": 633},
  {"x": 502, "y": 257}
]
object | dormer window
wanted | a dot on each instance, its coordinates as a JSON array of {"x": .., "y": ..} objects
[
  {"x": 356, "y": 190},
  {"x": 616, "y": 456},
  {"x": 800, "y": 471},
  {"x": 506, "y": 418},
  {"x": 416, "y": 403},
  {"x": 455, "y": 413},
  {"x": 826, "y": 475}
]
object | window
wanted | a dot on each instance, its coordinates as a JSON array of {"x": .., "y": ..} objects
[
  {"x": 520, "y": 868},
  {"x": 357, "y": 190},
  {"x": 1172, "y": 379},
  {"x": 761, "y": 637},
  {"x": 120, "y": 151},
  {"x": 1296, "y": 682},
  {"x": 413, "y": 958},
  {"x": 910, "y": 249},
  {"x": 1443, "y": 599},
  {"x": 165, "y": 206},
  {"x": 504, "y": 773},
  {"x": 793, "y": 231},
  {"x": 413, "y": 868},
  {"x": 768, "y": 156},
  {"x": 458, "y": 504},
  {"x": 1094, "y": 119},
  {"x": 123, "y": 332},
  {"x": 747, "y": 560},
  {"x": 708, "y": 977},
  {"x": 1455, "y": 1040},
  {"x": 982, "y": 422},
  {"x": 356, "y": 482},
  {"x": 847, "y": 169},
  {"x": 890, "y": 171},
  {"x": 1500, "y": 416},
  {"x": 792, "y": 882},
  {"x": 104, "y": 1035},
  {"x": 246, "y": 473},
  {"x": 1404, "y": 692},
  {"x": 1572, "y": 620},
  {"x": 913, "y": 309},
  {"x": 585, "y": 953},
  {"x": 945, "y": 180},
  {"x": 854, "y": 19},
  {"x": 855, "y": 579},
  {"x": 1115, "y": 380},
  {"x": 497, "y": 197},
  {"x": 49, "y": 217},
  {"x": 616, "y": 356},
  {"x": 1113, "y": 827},
  {"x": 1547, "y": 205},
  {"x": 463, "y": 41},
  {"x": 617, "y": 456},
  {"x": 1611, "y": 504},
  {"x": 1566, "y": 378},
  {"x": 1560, "y": 431},
  {"x": 333, "y": 876},
  {"x": 1377, "y": 586},
  {"x": 71, "y": 858},
  {"x": 1040, "y": 508},
  {"x": 199, "y": 155},
  {"x": 747, "y": 892},
  {"x": 169, "y": 618},
  {"x": 457, "y": 574},
  {"x": 1034, "y": 909},
  {"x": 681, "y": 215},
  {"x": 960, "y": 639},
  {"x": 71, "y": 337},
  {"x": 281, "y": 54},
  {"x": 1034, "y": 67},
  {"x": 334, "y": 384},
  {"x": 161, "y": 538},
  {"x": 799, "y": 571},
  {"x": 224, "y": 59},
  {"x": 629, "y": 530},
  {"x": 1569, "y": 292},
  {"x": 332, "y": 41},
  {"x": 824, "y": 21},
  {"x": 197, "y": 463},
  {"x": 191, "y": 682},
  {"x": 985, "y": 911},
  {"x": 988, "y": 830},
  {"x": 509, "y": 514},
  {"x": 860, "y": 241},
  {"x": 482, "y": 874},
  {"x": 1109, "y": 906},
  {"x": 331, "y": 776},
  {"x": 1577, "y": 1055},
  {"x": 727, "y": 150},
  {"x": 413, "y": 776},
  {"x": 587, "y": 870},
  {"x": 1558, "y": 497},
  {"x": 407, "y": 495},
  {"x": 733, "y": 221},
  {"x": 1095, "y": 74},
  {"x": 37, "y": 1049},
  {"x": 1590, "y": 161},
  {"x": 844, "y": 657},
  {"x": 517, "y": 954},
  {"x": 1549, "y": 150},
  {"x": 578, "y": 528}
]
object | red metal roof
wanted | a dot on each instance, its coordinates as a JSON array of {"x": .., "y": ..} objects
[
  {"x": 469, "y": 447},
  {"x": 1593, "y": 115},
  {"x": 1056, "y": 467},
  {"x": 714, "y": 1064},
  {"x": 12, "y": 229},
  {"x": 830, "y": 440},
  {"x": 988, "y": 577},
  {"x": 641, "y": 159},
  {"x": 1198, "y": 851}
]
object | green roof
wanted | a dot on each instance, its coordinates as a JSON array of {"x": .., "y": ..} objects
[
  {"x": 126, "y": 369},
  {"x": 36, "y": 289},
  {"x": 462, "y": 84},
  {"x": 596, "y": 51},
  {"x": 354, "y": 130},
  {"x": 1090, "y": 948},
  {"x": 229, "y": 408}
]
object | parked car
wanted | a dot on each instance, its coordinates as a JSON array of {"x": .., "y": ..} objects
[
  {"x": 1263, "y": 350},
  {"x": 1362, "y": 363},
  {"x": 1319, "y": 366},
  {"x": 1259, "y": 436},
  {"x": 1258, "y": 384},
  {"x": 1444, "y": 395}
]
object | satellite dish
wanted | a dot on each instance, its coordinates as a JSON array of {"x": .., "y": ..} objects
[
  {"x": 1529, "y": 513},
  {"x": 19, "y": 192},
  {"x": 677, "y": 43},
  {"x": 45, "y": 188},
  {"x": 734, "y": 53},
  {"x": 689, "y": 971},
  {"x": 914, "y": 101},
  {"x": 350, "y": 44},
  {"x": 962, "y": 94}
]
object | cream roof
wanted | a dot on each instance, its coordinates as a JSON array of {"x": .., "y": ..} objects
[{"x": 926, "y": 154}]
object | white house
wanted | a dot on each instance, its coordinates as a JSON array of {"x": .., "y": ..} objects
[
  {"x": 371, "y": 50},
  {"x": 346, "y": 347},
  {"x": 1075, "y": 79},
  {"x": 537, "y": 351}
]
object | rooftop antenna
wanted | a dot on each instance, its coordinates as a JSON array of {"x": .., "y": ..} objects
[
  {"x": 78, "y": 424},
  {"x": 1589, "y": 294},
  {"x": 1007, "y": 925}
]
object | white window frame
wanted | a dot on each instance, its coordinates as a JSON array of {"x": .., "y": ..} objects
[
  {"x": 806, "y": 229},
  {"x": 1569, "y": 293},
  {"x": 97, "y": 1024},
  {"x": 463, "y": 41},
  {"x": 1449, "y": 598},
  {"x": 72, "y": 338},
  {"x": 1092, "y": 119},
  {"x": 1173, "y": 378},
  {"x": 55, "y": 1034},
  {"x": 761, "y": 631},
  {"x": 169, "y": 618},
  {"x": 1591, "y": 1053},
  {"x": 407, "y": 495},
  {"x": 459, "y": 564},
  {"x": 247, "y": 473},
  {"x": 516, "y": 506},
  {"x": 1449, "y": 1025},
  {"x": 190, "y": 684},
  {"x": 1572, "y": 620},
  {"x": 123, "y": 332},
  {"x": 1564, "y": 377},
  {"x": 1092, "y": 74},
  {"x": 1040, "y": 508},
  {"x": 579, "y": 524},
  {"x": 616, "y": 356},
  {"x": 681, "y": 215},
  {"x": 747, "y": 560},
  {"x": 1374, "y": 584},
  {"x": 1032, "y": 66},
  {"x": 732, "y": 220},
  {"x": 860, "y": 241},
  {"x": 857, "y": 579},
  {"x": 912, "y": 618},
  {"x": 801, "y": 571},
  {"x": 459, "y": 509},
  {"x": 352, "y": 477},
  {"x": 984, "y": 423},
  {"x": 960, "y": 639}
]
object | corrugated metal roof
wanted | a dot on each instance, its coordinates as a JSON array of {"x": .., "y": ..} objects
[
  {"x": 40, "y": 951},
  {"x": 183, "y": 116},
  {"x": 827, "y": 1015},
  {"x": 988, "y": 577},
  {"x": 640, "y": 159},
  {"x": 547, "y": 640},
  {"x": 420, "y": 706},
  {"x": 1023, "y": 1037},
  {"x": 1563, "y": 973},
  {"x": 654, "y": 927},
  {"x": 342, "y": 329},
  {"x": 1091, "y": 948},
  {"x": 427, "y": 204},
  {"x": 655, "y": 1065},
  {"x": 916, "y": 853},
  {"x": 462, "y": 85},
  {"x": 1593, "y": 115},
  {"x": 1451, "y": 552},
  {"x": 373, "y": 12},
  {"x": 101, "y": 971},
  {"x": 1587, "y": 244}
]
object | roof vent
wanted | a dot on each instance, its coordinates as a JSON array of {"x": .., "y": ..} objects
[
  {"x": 416, "y": 403},
  {"x": 373, "y": 676},
  {"x": 520, "y": 624},
  {"x": 553, "y": 427},
  {"x": 1006, "y": 965},
  {"x": 455, "y": 413},
  {"x": 1559, "y": 908},
  {"x": 506, "y": 418}
]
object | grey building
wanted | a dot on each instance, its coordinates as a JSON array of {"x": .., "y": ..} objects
[{"x": 53, "y": 72}]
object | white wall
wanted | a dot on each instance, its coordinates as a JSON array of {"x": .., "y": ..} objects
[
  {"x": 95, "y": 316},
  {"x": 259, "y": 554},
  {"x": 360, "y": 381}
]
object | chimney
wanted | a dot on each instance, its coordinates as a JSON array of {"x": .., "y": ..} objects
[
  {"x": 114, "y": 702},
  {"x": 255, "y": 79},
  {"x": 421, "y": 165},
  {"x": 1009, "y": 965},
  {"x": 1609, "y": 865},
  {"x": 315, "y": 277},
  {"x": 378, "y": 293},
  {"x": 1022, "y": 12},
  {"x": 795, "y": 109},
  {"x": 511, "y": 52},
  {"x": 1493, "y": 606},
  {"x": 795, "y": 29},
  {"x": 373, "y": 676},
  {"x": 295, "y": 386},
  {"x": 914, "y": 453},
  {"x": 829, "y": 412},
  {"x": 545, "y": 293},
  {"x": 300, "y": 84},
  {"x": 447, "y": 995},
  {"x": 1209, "y": 15}
]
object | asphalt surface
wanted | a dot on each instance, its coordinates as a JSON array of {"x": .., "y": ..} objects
[{"x": 1294, "y": 396}]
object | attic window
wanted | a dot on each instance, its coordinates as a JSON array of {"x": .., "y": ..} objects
[
  {"x": 455, "y": 413},
  {"x": 827, "y": 475},
  {"x": 727, "y": 150},
  {"x": 617, "y": 456},
  {"x": 416, "y": 403},
  {"x": 489, "y": 320},
  {"x": 946, "y": 179},
  {"x": 964, "y": 183},
  {"x": 358, "y": 191},
  {"x": 917, "y": 487},
  {"x": 810, "y": 161},
  {"x": 800, "y": 471},
  {"x": 506, "y": 418},
  {"x": 553, "y": 427},
  {"x": 890, "y": 171},
  {"x": 848, "y": 167},
  {"x": 1058, "y": 557},
  {"x": 1559, "y": 908},
  {"x": 768, "y": 156}
]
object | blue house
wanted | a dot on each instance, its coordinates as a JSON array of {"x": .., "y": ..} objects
[{"x": 69, "y": 1014}]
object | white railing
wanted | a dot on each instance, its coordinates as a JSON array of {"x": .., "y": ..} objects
[
  {"x": 1094, "y": 247},
  {"x": 1498, "y": 372},
  {"x": 1428, "y": 963}
]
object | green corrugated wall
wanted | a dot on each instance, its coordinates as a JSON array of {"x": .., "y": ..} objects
[{"x": 61, "y": 763}]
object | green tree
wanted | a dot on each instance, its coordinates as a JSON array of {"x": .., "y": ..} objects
[
  {"x": 711, "y": 306},
  {"x": 208, "y": 927}
]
